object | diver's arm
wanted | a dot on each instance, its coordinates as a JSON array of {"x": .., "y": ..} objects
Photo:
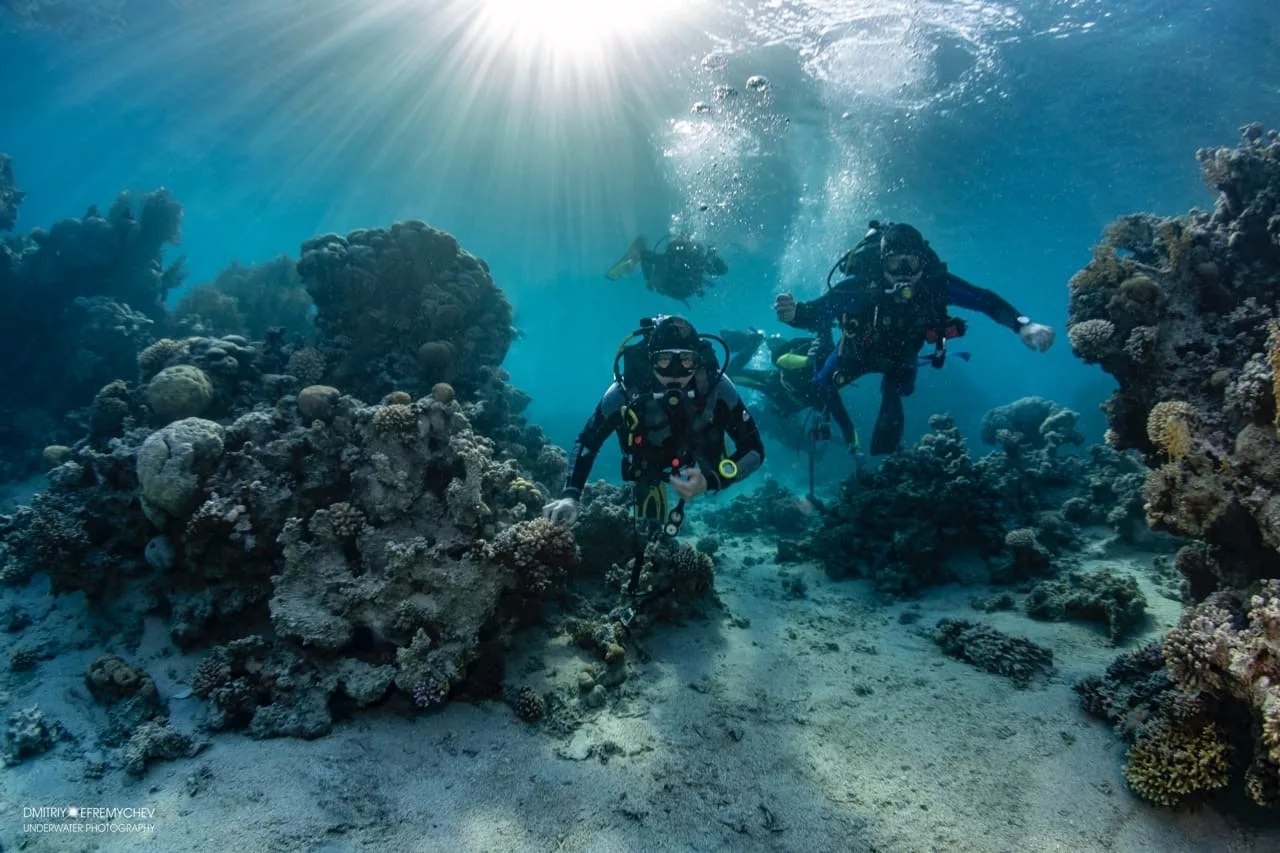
[
  {"x": 966, "y": 295},
  {"x": 818, "y": 314},
  {"x": 731, "y": 415},
  {"x": 605, "y": 419}
]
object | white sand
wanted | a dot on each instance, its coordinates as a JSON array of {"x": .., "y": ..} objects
[{"x": 820, "y": 723}]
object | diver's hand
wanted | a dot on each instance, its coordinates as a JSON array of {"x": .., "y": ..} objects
[
  {"x": 689, "y": 483},
  {"x": 784, "y": 305},
  {"x": 562, "y": 512},
  {"x": 1036, "y": 336}
]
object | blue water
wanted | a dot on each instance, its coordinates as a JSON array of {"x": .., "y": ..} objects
[{"x": 1010, "y": 133}]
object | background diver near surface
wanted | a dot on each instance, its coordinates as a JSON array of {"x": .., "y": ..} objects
[
  {"x": 892, "y": 301},
  {"x": 683, "y": 269}
]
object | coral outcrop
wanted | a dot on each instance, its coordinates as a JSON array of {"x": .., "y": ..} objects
[
  {"x": 911, "y": 522},
  {"x": 248, "y": 301},
  {"x": 1113, "y": 600},
  {"x": 1192, "y": 300},
  {"x": 404, "y": 307},
  {"x": 77, "y": 301},
  {"x": 1016, "y": 658}
]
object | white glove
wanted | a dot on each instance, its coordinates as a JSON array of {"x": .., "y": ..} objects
[
  {"x": 1036, "y": 336},
  {"x": 689, "y": 483},
  {"x": 784, "y": 305},
  {"x": 562, "y": 512}
]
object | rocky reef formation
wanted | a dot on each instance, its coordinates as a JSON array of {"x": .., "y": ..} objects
[{"x": 1182, "y": 312}]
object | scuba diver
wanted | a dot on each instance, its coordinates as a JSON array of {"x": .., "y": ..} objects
[
  {"x": 790, "y": 386},
  {"x": 684, "y": 269},
  {"x": 671, "y": 406},
  {"x": 893, "y": 300}
]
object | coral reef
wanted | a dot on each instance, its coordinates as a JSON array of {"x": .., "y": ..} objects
[
  {"x": 906, "y": 524},
  {"x": 770, "y": 508},
  {"x": 375, "y": 557},
  {"x": 248, "y": 301},
  {"x": 1191, "y": 302},
  {"x": 1104, "y": 597},
  {"x": 76, "y": 303},
  {"x": 10, "y": 196},
  {"x": 404, "y": 307},
  {"x": 1018, "y": 659}
]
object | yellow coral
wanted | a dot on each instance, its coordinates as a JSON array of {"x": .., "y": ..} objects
[
  {"x": 1166, "y": 765},
  {"x": 1169, "y": 427},
  {"x": 1270, "y": 707}
]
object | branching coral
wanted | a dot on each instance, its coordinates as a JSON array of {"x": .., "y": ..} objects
[
  {"x": 540, "y": 553},
  {"x": 1092, "y": 340},
  {"x": 1168, "y": 764}
]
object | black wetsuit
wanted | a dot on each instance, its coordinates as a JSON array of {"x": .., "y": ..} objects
[
  {"x": 694, "y": 434},
  {"x": 791, "y": 390},
  {"x": 883, "y": 333},
  {"x": 682, "y": 270}
]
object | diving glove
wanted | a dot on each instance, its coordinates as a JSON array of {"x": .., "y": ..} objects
[
  {"x": 562, "y": 512},
  {"x": 1035, "y": 335}
]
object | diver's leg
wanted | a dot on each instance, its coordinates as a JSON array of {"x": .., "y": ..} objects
[
  {"x": 742, "y": 348},
  {"x": 839, "y": 414},
  {"x": 628, "y": 261},
  {"x": 897, "y": 383}
]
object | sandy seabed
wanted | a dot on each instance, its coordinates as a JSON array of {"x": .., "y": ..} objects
[{"x": 814, "y": 723}]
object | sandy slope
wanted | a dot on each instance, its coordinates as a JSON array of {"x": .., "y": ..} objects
[{"x": 814, "y": 723}]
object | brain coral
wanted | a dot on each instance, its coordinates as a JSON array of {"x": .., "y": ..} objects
[{"x": 181, "y": 391}]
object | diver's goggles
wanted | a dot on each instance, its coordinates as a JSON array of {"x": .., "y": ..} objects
[
  {"x": 902, "y": 267},
  {"x": 682, "y": 360}
]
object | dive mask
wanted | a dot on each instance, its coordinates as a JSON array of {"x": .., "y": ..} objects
[
  {"x": 674, "y": 363},
  {"x": 903, "y": 273}
]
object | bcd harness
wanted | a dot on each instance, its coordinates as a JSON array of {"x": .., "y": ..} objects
[{"x": 853, "y": 334}]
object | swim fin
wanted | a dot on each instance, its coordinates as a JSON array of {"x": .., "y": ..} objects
[{"x": 628, "y": 261}]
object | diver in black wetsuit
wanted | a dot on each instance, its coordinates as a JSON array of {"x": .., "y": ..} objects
[
  {"x": 671, "y": 407},
  {"x": 892, "y": 301},
  {"x": 790, "y": 386},
  {"x": 683, "y": 269}
]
